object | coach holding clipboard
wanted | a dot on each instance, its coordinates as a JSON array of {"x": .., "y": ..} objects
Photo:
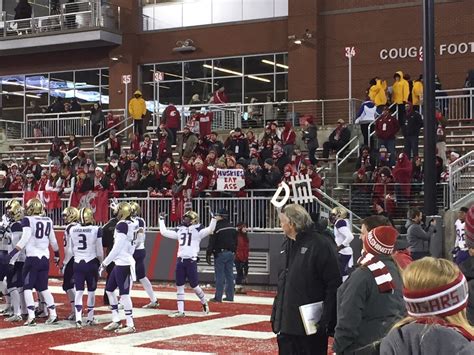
[{"x": 310, "y": 274}]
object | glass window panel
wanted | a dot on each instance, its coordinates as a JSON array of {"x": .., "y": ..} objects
[
  {"x": 104, "y": 97},
  {"x": 259, "y": 64},
  {"x": 36, "y": 101},
  {"x": 87, "y": 96},
  {"x": 198, "y": 69},
  {"x": 87, "y": 78},
  {"x": 147, "y": 73},
  {"x": 233, "y": 88},
  {"x": 227, "y": 67},
  {"x": 202, "y": 88},
  {"x": 281, "y": 8},
  {"x": 104, "y": 77},
  {"x": 170, "y": 92},
  {"x": 281, "y": 87},
  {"x": 61, "y": 85},
  {"x": 257, "y": 9},
  {"x": 197, "y": 13},
  {"x": 12, "y": 103},
  {"x": 37, "y": 82},
  {"x": 258, "y": 87},
  {"x": 172, "y": 71},
  {"x": 226, "y": 11},
  {"x": 282, "y": 62},
  {"x": 13, "y": 83},
  {"x": 167, "y": 15}
]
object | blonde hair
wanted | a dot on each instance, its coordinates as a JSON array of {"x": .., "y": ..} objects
[
  {"x": 428, "y": 273},
  {"x": 298, "y": 217}
]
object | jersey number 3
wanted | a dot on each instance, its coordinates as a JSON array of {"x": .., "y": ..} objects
[{"x": 185, "y": 239}]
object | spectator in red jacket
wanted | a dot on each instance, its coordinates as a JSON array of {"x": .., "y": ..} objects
[
  {"x": 288, "y": 139},
  {"x": 43, "y": 180},
  {"x": 220, "y": 96},
  {"x": 241, "y": 260},
  {"x": 383, "y": 185},
  {"x": 200, "y": 178},
  {"x": 101, "y": 182},
  {"x": 316, "y": 180},
  {"x": 402, "y": 174},
  {"x": 205, "y": 123},
  {"x": 30, "y": 184},
  {"x": 113, "y": 145},
  {"x": 288, "y": 172},
  {"x": 386, "y": 128},
  {"x": 135, "y": 142},
  {"x": 172, "y": 118},
  {"x": 17, "y": 185},
  {"x": 148, "y": 150},
  {"x": 111, "y": 120}
]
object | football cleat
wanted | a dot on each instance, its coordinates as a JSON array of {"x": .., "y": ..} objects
[
  {"x": 72, "y": 316},
  {"x": 125, "y": 330},
  {"x": 213, "y": 300},
  {"x": 177, "y": 314},
  {"x": 30, "y": 322},
  {"x": 51, "y": 320},
  {"x": 112, "y": 326},
  {"x": 41, "y": 314},
  {"x": 14, "y": 318},
  {"x": 91, "y": 322},
  {"x": 78, "y": 324},
  {"x": 205, "y": 308},
  {"x": 152, "y": 305},
  {"x": 6, "y": 311}
]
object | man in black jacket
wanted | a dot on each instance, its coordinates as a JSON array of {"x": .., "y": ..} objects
[
  {"x": 310, "y": 274},
  {"x": 337, "y": 139},
  {"x": 223, "y": 244}
]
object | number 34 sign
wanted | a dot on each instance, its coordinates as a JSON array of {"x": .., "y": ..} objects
[{"x": 350, "y": 52}]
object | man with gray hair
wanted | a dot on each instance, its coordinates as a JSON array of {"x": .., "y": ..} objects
[{"x": 310, "y": 273}]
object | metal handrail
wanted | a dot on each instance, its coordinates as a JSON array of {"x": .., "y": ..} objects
[
  {"x": 347, "y": 145},
  {"x": 95, "y": 146},
  {"x": 453, "y": 169},
  {"x": 351, "y": 214}
]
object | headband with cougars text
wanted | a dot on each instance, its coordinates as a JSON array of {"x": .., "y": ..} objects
[{"x": 441, "y": 301}]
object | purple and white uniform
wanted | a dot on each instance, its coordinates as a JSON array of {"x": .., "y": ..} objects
[
  {"x": 86, "y": 249},
  {"x": 122, "y": 255},
  {"x": 38, "y": 234},
  {"x": 189, "y": 238},
  {"x": 140, "y": 252},
  {"x": 15, "y": 278},
  {"x": 68, "y": 272}
]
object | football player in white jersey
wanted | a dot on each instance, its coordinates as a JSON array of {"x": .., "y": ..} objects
[
  {"x": 123, "y": 274},
  {"x": 88, "y": 253},
  {"x": 38, "y": 234},
  {"x": 344, "y": 237},
  {"x": 460, "y": 251},
  {"x": 189, "y": 234},
  {"x": 140, "y": 254},
  {"x": 5, "y": 248},
  {"x": 14, "y": 213},
  {"x": 70, "y": 217}
]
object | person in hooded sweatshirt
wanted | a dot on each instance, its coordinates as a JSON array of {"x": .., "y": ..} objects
[
  {"x": 467, "y": 266},
  {"x": 402, "y": 175},
  {"x": 400, "y": 93},
  {"x": 370, "y": 301},
  {"x": 137, "y": 109},
  {"x": 436, "y": 295},
  {"x": 419, "y": 238},
  {"x": 288, "y": 139},
  {"x": 365, "y": 117},
  {"x": 377, "y": 93}
]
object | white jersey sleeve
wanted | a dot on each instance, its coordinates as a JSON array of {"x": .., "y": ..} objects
[
  {"x": 124, "y": 244},
  {"x": 140, "y": 233},
  {"x": 38, "y": 234},
  {"x": 165, "y": 232}
]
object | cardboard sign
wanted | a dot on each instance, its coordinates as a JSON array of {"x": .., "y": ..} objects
[{"x": 230, "y": 179}]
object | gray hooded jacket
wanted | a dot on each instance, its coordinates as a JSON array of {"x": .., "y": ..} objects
[
  {"x": 420, "y": 339},
  {"x": 418, "y": 239}
]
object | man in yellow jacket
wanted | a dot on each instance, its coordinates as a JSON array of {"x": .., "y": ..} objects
[
  {"x": 400, "y": 93},
  {"x": 417, "y": 93},
  {"x": 377, "y": 93},
  {"x": 137, "y": 109}
]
